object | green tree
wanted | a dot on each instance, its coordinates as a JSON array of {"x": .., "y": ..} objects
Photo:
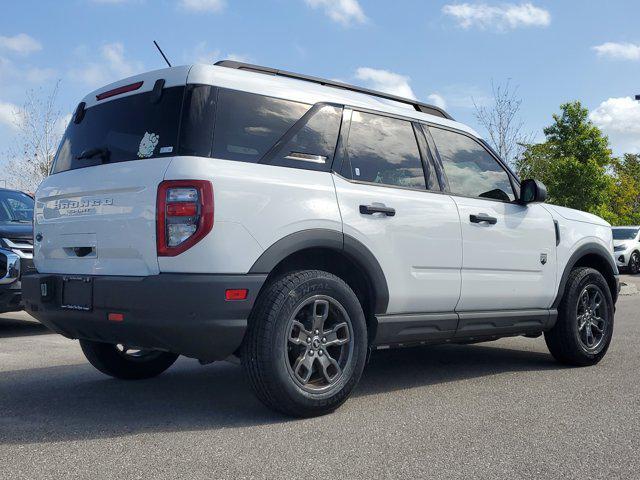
[
  {"x": 625, "y": 191},
  {"x": 572, "y": 162}
]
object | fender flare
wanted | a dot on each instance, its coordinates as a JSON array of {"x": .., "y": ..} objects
[
  {"x": 335, "y": 240},
  {"x": 587, "y": 249}
]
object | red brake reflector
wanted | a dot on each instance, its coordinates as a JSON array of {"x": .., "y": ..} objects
[
  {"x": 182, "y": 209},
  {"x": 116, "y": 317},
  {"x": 119, "y": 90},
  {"x": 236, "y": 294}
]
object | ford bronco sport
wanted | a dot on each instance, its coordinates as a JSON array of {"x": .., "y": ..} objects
[{"x": 296, "y": 223}]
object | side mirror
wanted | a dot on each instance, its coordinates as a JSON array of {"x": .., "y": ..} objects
[{"x": 532, "y": 191}]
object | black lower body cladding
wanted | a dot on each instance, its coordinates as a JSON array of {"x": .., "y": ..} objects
[{"x": 186, "y": 314}]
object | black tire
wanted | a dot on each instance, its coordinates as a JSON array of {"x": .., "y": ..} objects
[
  {"x": 272, "y": 360},
  {"x": 113, "y": 361},
  {"x": 634, "y": 263},
  {"x": 567, "y": 341}
]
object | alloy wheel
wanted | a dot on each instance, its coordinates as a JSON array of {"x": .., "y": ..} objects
[
  {"x": 136, "y": 354},
  {"x": 634, "y": 263},
  {"x": 319, "y": 344},
  {"x": 592, "y": 317}
]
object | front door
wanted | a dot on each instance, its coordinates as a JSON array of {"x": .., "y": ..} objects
[{"x": 509, "y": 249}]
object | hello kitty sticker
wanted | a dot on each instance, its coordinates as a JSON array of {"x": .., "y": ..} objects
[{"x": 148, "y": 145}]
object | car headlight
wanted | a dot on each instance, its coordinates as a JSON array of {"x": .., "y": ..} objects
[{"x": 619, "y": 248}]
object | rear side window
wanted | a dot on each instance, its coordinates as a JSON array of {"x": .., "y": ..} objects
[
  {"x": 311, "y": 142},
  {"x": 383, "y": 150},
  {"x": 471, "y": 171},
  {"x": 248, "y": 125},
  {"x": 128, "y": 128}
]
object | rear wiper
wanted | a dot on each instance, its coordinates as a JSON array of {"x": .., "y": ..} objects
[{"x": 104, "y": 153}]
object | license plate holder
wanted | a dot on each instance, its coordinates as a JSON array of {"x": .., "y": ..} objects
[{"x": 77, "y": 293}]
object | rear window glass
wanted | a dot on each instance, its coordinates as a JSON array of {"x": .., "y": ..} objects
[
  {"x": 248, "y": 125},
  {"x": 384, "y": 150},
  {"x": 311, "y": 142},
  {"x": 128, "y": 128}
]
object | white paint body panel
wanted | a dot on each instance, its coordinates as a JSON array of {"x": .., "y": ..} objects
[
  {"x": 110, "y": 208},
  {"x": 255, "y": 206},
  {"x": 419, "y": 249},
  {"x": 576, "y": 233},
  {"x": 502, "y": 268}
]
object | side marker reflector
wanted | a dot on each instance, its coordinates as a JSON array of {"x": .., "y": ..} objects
[
  {"x": 236, "y": 294},
  {"x": 116, "y": 317}
]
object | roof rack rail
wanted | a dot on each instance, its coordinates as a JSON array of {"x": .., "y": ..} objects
[{"x": 419, "y": 106}]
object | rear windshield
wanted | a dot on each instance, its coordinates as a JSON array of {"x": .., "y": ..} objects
[
  {"x": 203, "y": 121},
  {"x": 624, "y": 233},
  {"x": 128, "y": 128},
  {"x": 15, "y": 207}
]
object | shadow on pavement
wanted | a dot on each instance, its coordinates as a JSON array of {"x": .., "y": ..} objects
[
  {"x": 75, "y": 402},
  {"x": 10, "y": 327}
]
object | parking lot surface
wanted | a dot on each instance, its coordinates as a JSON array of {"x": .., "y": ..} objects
[{"x": 503, "y": 409}]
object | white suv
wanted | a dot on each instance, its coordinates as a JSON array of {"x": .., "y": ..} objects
[
  {"x": 298, "y": 223},
  {"x": 626, "y": 247}
]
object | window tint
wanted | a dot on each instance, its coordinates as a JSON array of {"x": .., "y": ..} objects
[
  {"x": 128, "y": 128},
  {"x": 311, "y": 143},
  {"x": 624, "y": 233},
  {"x": 15, "y": 207},
  {"x": 383, "y": 150},
  {"x": 248, "y": 125},
  {"x": 470, "y": 169},
  {"x": 198, "y": 117}
]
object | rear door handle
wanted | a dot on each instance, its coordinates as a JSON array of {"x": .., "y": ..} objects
[
  {"x": 483, "y": 218},
  {"x": 371, "y": 209}
]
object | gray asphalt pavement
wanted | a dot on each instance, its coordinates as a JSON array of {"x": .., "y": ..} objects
[{"x": 503, "y": 409}]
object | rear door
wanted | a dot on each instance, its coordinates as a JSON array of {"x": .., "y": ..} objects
[
  {"x": 509, "y": 249},
  {"x": 96, "y": 213},
  {"x": 393, "y": 206}
]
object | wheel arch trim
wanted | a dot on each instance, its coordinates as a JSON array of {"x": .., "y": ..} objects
[
  {"x": 335, "y": 240},
  {"x": 580, "y": 253}
]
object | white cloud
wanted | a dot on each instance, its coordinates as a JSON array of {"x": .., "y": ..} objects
[
  {"x": 200, "y": 6},
  {"x": 345, "y": 12},
  {"x": 39, "y": 75},
  {"x": 10, "y": 115},
  {"x": 507, "y": 16},
  {"x": 620, "y": 51},
  {"x": 386, "y": 81},
  {"x": 619, "y": 118},
  {"x": 437, "y": 100},
  {"x": 21, "y": 44},
  {"x": 112, "y": 66}
]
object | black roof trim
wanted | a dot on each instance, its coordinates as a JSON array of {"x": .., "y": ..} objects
[{"x": 419, "y": 106}]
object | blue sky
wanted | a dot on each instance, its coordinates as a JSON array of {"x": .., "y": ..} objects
[{"x": 440, "y": 51}]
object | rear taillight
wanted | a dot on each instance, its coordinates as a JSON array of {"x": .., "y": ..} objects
[{"x": 184, "y": 215}]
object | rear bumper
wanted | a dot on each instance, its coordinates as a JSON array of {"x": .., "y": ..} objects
[{"x": 181, "y": 313}]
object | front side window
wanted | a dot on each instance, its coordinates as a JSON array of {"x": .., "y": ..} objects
[
  {"x": 247, "y": 125},
  {"x": 471, "y": 171},
  {"x": 383, "y": 150}
]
